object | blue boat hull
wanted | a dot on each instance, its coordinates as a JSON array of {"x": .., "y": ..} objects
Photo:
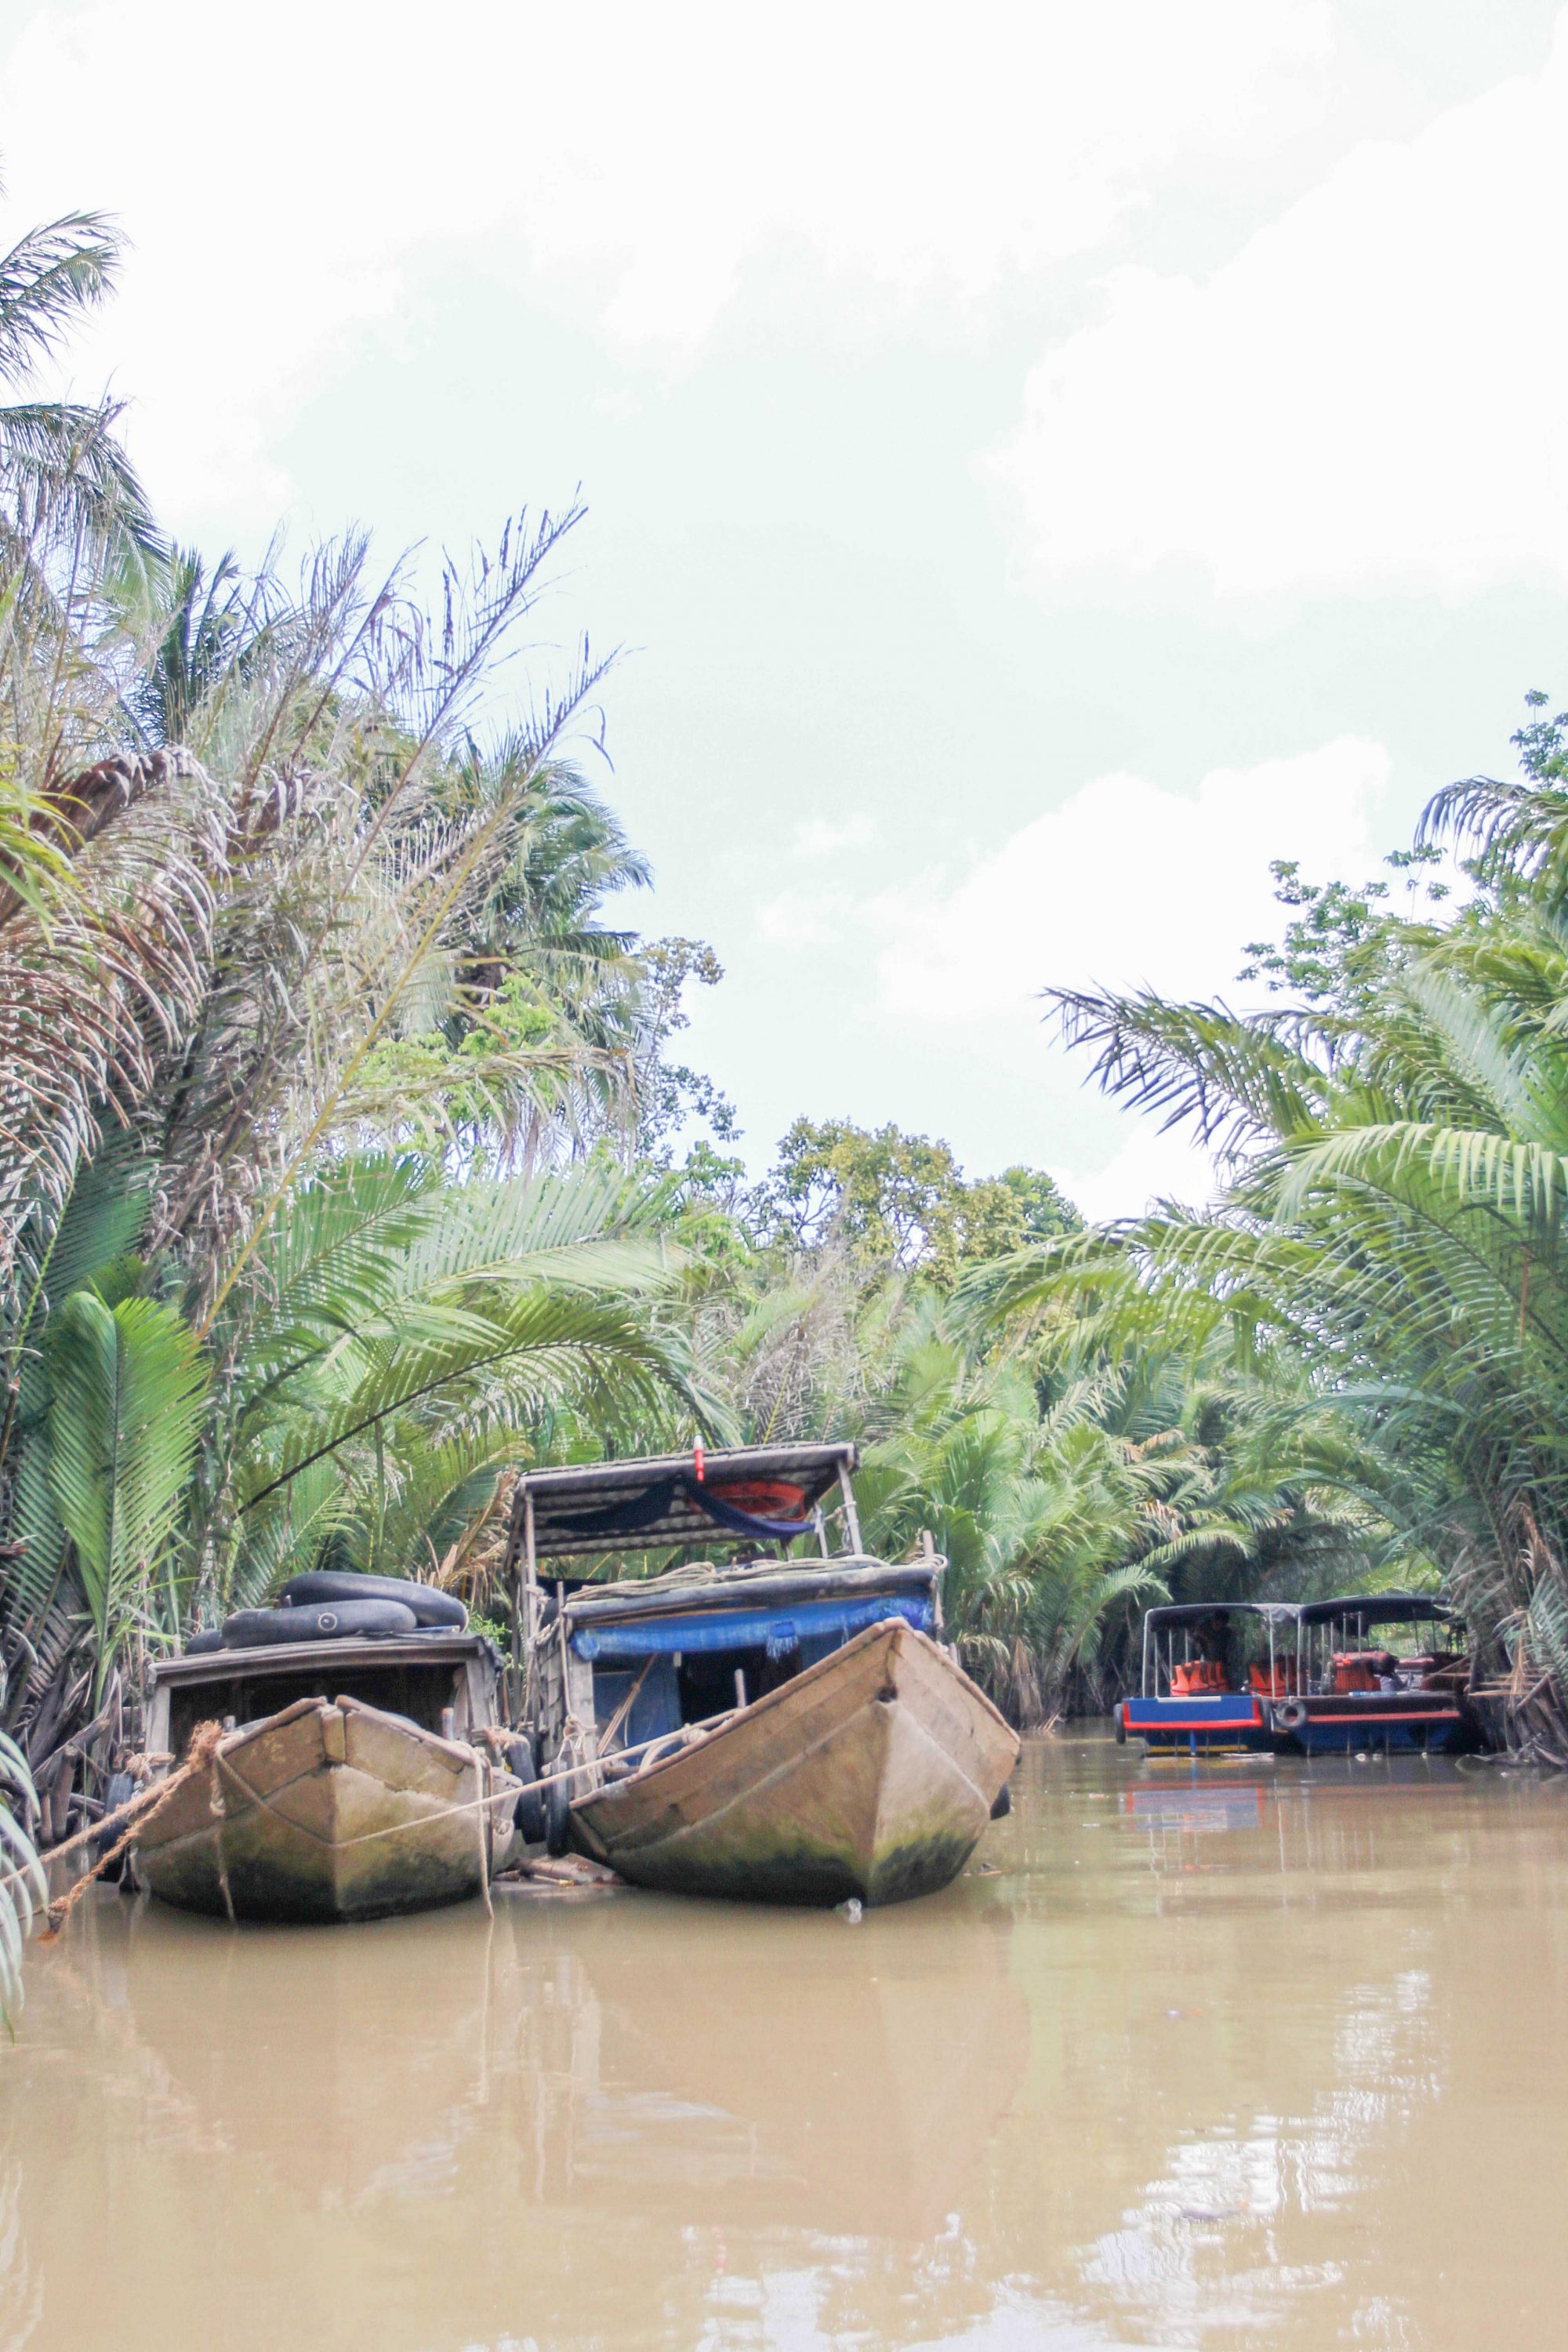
[
  {"x": 1399, "y": 1721},
  {"x": 1233, "y": 1720}
]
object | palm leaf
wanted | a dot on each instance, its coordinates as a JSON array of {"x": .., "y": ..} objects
[
  {"x": 128, "y": 1390},
  {"x": 24, "y": 1890}
]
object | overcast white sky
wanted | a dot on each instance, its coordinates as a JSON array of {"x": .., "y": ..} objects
[{"x": 1045, "y": 460}]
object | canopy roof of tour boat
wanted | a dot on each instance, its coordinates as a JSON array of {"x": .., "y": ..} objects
[
  {"x": 1367, "y": 1608},
  {"x": 668, "y": 1499},
  {"x": 1197, "y": 1612},
  {"x": 1380, "y": 1608}
]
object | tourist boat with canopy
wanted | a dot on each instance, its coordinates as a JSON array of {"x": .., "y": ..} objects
[
  {"x": 1303, "y": 1677},
  {"x": 355, "y": 1773},
  {"x": 779, "y": 1727}
]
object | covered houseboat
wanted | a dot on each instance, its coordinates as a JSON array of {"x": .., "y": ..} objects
[
  {"x": 784, "y": 1728},
  {"x": 1303, "y": 1677}
]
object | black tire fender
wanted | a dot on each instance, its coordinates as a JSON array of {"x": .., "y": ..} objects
[
  {"x": 334, "y": 1584},
  {"x": 558, "y": 1816},
  {"x": 1119, "y": 1717},
  {"x": 529, "y": 1816},
  {"x": 1290, "y": 1715},
  {"x": 120, "y": 1789}
]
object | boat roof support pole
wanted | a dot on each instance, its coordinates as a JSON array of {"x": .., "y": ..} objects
[
  {"x": 851, "y": 1518},
  {"x": 928, "y": 1551},
  {"x": 525, "y": 1608},
  {"x": 529, "y": 1564}
]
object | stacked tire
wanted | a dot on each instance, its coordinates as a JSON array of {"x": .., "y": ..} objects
[{"x": 335, "y": 1605}]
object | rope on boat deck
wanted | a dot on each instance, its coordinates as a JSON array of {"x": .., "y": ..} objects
[{"x": 545, "y": 1779}]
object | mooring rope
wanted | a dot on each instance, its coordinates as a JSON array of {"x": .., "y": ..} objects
[
  {"x": 205, "y": 1741},
  {"x": 207, "y": 1748}
]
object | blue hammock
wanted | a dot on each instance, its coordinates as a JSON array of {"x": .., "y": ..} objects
[{"x": 655, "y": 1503}]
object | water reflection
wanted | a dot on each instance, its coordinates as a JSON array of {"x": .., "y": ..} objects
[{"x": 1195, "y": 2057}]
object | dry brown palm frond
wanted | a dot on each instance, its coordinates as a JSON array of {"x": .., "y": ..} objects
[
  {"x": 94, "y": 997},
  {"x": 350, "y": 888}
]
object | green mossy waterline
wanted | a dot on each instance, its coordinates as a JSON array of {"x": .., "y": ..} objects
[
  {"x": 802, "y": 1875},
  {"x": 759, "y": 1861},
  {"x": 424, "y": 1852},
  {"x": 265, "y": 1890}
]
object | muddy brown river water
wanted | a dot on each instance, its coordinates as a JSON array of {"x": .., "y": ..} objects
[{"x": 1234, "y": 2056}]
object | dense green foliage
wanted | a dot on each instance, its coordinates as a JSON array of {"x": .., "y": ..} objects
[
  {"x": 24, "y": 1890},
  {"x": 320, "y": 1196}
]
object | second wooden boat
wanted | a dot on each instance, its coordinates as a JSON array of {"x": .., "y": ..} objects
[
  {"x": 786, "y": 1729},
  {"x": 872, "y": 1774}
]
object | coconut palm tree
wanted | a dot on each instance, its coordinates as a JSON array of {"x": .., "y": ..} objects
[{"x": 60, "y": 461}]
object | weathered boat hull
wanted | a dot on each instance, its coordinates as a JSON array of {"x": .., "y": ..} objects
[
  {"x": 330, "y": 1811},
  {"x": 872, "y": 1774}
]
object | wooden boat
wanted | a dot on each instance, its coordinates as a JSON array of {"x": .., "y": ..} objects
[
  {"x": 872, "y": 1774},
  {"x": 778, "y": 1729},
  {"x": 347, "y": 1785},
  {"x": 1301, "y": 1678}
]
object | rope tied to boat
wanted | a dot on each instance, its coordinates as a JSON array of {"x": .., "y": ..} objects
[
  {"x": 136, "y": 1812},
  {"x": 207, "y": 1745}
]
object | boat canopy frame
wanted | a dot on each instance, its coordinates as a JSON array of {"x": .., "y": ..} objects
[
  {"x": 665, "y": 1502},
  {"x": 1177, "y": 1615},
  {"x": 1363, "y": 1612},
  {"x": 659, "y": 1502}
]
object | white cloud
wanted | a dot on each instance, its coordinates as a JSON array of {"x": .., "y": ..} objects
[
  {"x": 818, "y": 838},
  {"x": 1129, "y": 885},
  {"x": 1370, "y": 394},
  {"x": 287, "y": 188},
  {"x": 1150, "y": 1164}
]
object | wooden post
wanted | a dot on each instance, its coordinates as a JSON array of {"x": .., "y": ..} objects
[
  {"x": 531, "y": 1571},
  {"x": 928, "y": 1551},
  {"x": 851, "y": 1520},
  {"x": 524, "y": 1601}
]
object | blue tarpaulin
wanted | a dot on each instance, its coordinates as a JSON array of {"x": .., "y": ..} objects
[{"x": 776, "y": 1630}]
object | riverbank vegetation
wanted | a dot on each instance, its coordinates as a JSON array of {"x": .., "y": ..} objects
[
  {"x": 349, "y": 1159},
  {"x": 1393, "y": 1131}
]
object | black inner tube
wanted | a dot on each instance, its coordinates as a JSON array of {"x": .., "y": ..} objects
[
  {"x": 256, "y": 1629},
  {"x": 333, "y": 1584}
]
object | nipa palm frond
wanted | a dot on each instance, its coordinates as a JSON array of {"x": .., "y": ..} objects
[
  {"x": 24, "y": 1891},
  {"x": 125, "y": 1414}
]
